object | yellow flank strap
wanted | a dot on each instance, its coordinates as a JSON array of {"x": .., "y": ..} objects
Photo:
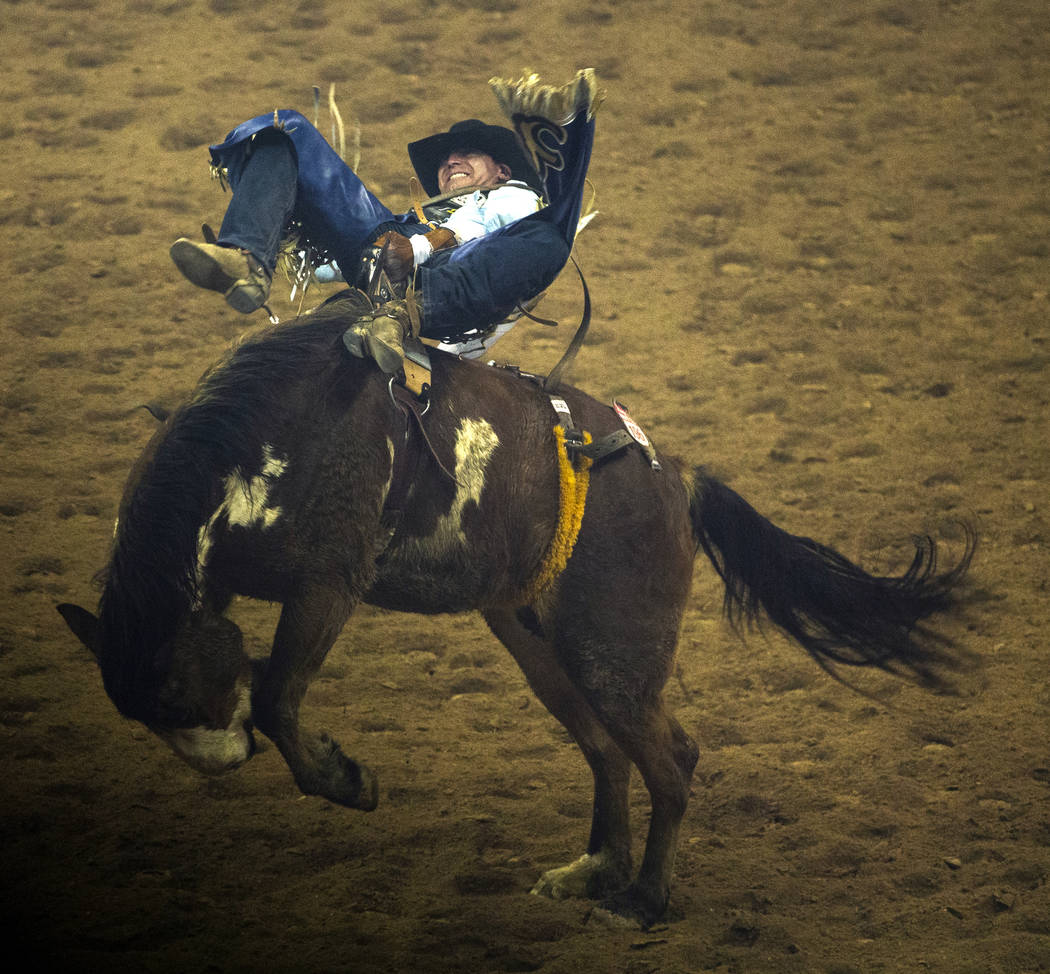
[{"x": 573, "y": 482}]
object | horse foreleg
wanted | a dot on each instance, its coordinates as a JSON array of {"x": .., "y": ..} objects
[
  {"x": 305, "y": 633},
  {"x": 606, "y": 865}
]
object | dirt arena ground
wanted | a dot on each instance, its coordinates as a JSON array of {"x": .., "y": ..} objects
[{"x": 820, "y": 267}]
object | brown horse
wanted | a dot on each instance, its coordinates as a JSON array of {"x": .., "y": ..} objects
[{"x": 291, "y": 476}]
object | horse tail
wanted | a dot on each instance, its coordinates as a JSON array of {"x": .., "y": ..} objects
[{"x": 834, "y": 609}]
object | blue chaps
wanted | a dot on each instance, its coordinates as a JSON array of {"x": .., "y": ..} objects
[{"x": 288, "y": 173}]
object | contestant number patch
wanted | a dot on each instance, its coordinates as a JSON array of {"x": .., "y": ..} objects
[{"x": 630, "y": 425}]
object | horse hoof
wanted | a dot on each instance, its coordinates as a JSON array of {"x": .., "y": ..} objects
[
  {"x": 341, "y": 779},
  {"x": 359, "y": 788},
  {"x": 369, "y": 795},
  {"x": 630, "y": 909},
  {"x": 589, "y": 877}
]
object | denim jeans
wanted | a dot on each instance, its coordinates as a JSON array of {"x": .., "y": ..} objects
[{"x": 263, "y": 199}]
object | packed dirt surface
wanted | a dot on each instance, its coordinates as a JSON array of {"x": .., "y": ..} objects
[{"x": 820, "y": 268}]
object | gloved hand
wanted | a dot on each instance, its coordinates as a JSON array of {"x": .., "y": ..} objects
[
  {"x": 399, "y": 256},
  {"x": 441, "y": 238},
  {"x": 396, "y": 255}
]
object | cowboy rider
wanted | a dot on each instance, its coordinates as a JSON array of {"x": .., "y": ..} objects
[{"x": 479, "y": 247}]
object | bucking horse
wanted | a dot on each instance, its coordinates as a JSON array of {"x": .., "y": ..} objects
[{"x": 294, "y": 475}]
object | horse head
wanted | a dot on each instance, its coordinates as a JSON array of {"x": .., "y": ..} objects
[{"x": 196, "y": 695}]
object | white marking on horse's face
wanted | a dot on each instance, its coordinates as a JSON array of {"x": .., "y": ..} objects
[
  {"x": 245, "y": 503},
  {"x": 216, "y": 751},
  {"x": 476, "y": 441}
]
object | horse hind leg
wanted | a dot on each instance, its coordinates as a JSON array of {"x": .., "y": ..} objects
[
  {"x": 621, "y": 674},
  {"x": 305, "y": 633},
  {"x": 606, "y": 865},
  {"x": 666, "y": 756}
]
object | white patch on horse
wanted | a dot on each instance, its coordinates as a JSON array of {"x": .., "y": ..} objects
[
  {"x": 245, "y": 503},
  {"x": 476, "y": 441}
]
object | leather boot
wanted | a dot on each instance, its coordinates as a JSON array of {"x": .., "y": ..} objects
[
  {"x": 235, "y": 274},
  {"x": 381, "y": 336}
]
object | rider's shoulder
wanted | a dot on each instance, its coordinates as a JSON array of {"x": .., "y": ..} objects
[
  {"x": 513, "y": 186},
  {"x": 515, "y": 194}
]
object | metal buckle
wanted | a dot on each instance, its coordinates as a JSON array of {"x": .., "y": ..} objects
[{"x": 423, "y": 397}]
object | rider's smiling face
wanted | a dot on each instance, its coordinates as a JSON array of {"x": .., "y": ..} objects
[{"x": 466, "y": 168}]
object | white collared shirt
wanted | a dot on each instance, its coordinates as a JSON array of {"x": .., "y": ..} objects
[{"x": 483, "y": 211}]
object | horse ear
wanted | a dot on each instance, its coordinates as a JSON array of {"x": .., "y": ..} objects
[
  {"x": 156, "y": 410},
  {"x": 82, "y": 622}
]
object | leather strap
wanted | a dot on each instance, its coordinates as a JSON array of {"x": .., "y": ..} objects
[
  {"x": 606, "y": 446},
  {"x": 406, "y": 401},
  {"x": 551, "y": 383},
  {"x": 417, "y": 378},
  {"x": 579, "y": 444}
]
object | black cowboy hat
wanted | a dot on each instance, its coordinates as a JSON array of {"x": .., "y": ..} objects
[{"x": 476, "y": 136}]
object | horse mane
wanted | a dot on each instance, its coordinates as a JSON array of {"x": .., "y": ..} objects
[{"x": 151, "y": 582}]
